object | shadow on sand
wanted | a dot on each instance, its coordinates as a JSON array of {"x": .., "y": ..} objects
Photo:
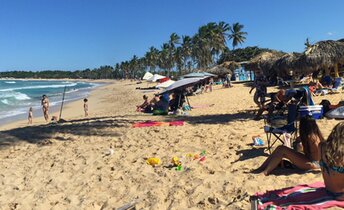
[
  {"x": 98, "y": 126},
  {"x": 218, "y": 118}
]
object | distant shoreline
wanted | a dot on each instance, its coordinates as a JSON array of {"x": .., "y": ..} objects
[{"x": 75, "y": 105}]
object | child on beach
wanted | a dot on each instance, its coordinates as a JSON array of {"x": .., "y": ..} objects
[
  {"x": 30, "y": 116},
  {"x": 86, "y": 107}
]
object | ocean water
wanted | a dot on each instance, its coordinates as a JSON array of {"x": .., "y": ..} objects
[{"x": 17, "y": 96}]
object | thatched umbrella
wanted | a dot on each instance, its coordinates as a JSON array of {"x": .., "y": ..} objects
[
  {"x": 225, "y": 68},
  {"x": 291, "y": 64},
  {"x": 264, "y": 62},
  {"x": 325, "y": 54}
]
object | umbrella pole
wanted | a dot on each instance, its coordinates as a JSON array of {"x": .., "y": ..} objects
[{"x": 187, "y": 100}]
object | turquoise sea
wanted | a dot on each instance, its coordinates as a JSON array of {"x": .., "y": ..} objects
[{"x": 17, "y": 96}]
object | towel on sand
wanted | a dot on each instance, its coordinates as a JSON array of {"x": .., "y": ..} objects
[
  {"x": 300, "y": 197},
  {"x": 156, "y": 123}
]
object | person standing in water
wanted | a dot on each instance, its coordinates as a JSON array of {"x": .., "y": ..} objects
[
  {"x": 45, "y": 107},
  {"x": 86, "y": 107},
  {"x": 30, "y": 116}
]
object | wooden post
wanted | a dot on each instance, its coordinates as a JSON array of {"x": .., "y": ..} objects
[
  {"x": 64, "y": 91},
  {"x": 336, "y": 73}
]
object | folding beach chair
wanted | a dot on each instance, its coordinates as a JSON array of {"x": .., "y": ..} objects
[{"x": 275, "y": 134}]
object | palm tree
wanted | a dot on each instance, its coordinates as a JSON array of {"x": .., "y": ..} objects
[
  {"x": 186, "y": 50},
  {"x": 174, "y": 40},
  {"x": 151, "y": 58},
  {"x": 163, "y": 60},
  {"x": 237, "y": 36}
]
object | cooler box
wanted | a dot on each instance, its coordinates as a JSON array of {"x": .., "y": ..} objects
[{"x": 316, "y": 111}]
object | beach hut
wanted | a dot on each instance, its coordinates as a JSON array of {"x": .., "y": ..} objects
[{"x": 325, "y": 55}]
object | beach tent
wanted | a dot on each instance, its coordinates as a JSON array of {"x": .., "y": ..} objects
[
  {"x": 183, "y": 83},
  {"x": 147, "y": 76},
  {"x": 165, "y": 84},
  {"x": 198, "y": 74},
  {"x": 337, "y": 113},
  {"x": 155, "y": 78}
]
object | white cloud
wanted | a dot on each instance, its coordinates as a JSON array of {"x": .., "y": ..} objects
[{"x": 330, "y": 33}]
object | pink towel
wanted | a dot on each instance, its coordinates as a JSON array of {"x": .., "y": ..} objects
[
  {"x": 156, "y": 123},
  {"x": 301, "y": 197}
]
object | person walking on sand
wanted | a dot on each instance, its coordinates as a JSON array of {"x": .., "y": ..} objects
[
  {"x": 86, "y": 107},
  {"x": 45, "y": 107},
  {"x": 30, "y": 116},
  {"x": 260, "y": 84}
]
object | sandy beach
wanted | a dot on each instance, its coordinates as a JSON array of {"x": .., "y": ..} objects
[{"x": 99, "y": 162}]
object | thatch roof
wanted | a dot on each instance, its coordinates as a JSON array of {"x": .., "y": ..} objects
[
  {"x": 324, "y": 54},
  {"x": 289, "y": 64},
  {"x": 264, "y": 62},
  {"x": 225, "y": 68}
]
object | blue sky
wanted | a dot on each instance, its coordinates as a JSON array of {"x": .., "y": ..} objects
[{"x": 79, "y": 34}]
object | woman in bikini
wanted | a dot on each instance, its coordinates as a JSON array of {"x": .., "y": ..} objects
[
  {"x": 310, "y": 137},
  {"x": 45, "y": 107},
  {"x": 332, "y": 162}
]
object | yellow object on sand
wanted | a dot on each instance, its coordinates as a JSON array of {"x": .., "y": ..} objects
[
  {"x": 175, "y": 161},
  {"x": 153, "y": 161}
]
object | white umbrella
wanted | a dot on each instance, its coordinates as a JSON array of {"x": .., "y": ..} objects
[
  {"x": 155, "y": 78},
  {"x": 183, "y": 83},
  {"x": 147, "y": 76},
  {"x": 165, "y": 84}
]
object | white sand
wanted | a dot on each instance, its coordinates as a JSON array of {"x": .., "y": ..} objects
[{"x": 67, "y": 166}]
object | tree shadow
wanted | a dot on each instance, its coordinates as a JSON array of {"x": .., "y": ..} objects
[
  {"x": 217, "y": 118},
  {"x": 40, "y": 134}
]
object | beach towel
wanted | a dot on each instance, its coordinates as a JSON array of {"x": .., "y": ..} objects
[
  {"x": 309, "y": 98},
  {"x": 156, "y": 124},
  {"x": 300, "y": 197}
]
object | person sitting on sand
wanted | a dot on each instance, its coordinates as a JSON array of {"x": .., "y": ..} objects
[
  {"x": 310, "y": 137},
  {"x": 332, "y": 162},
  {"x": 45, "y": 107},
  {"x": 209, "y": 85},
  {"x": 30, "y": 116},
  {"x": 161, "y": 107},
  {"x": 278, "y": 101},
  {"x": 154, "y": 100},
  {"x": 145, "y": 106}
]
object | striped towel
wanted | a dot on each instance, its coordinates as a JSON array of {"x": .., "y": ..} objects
[{"x": 301, "y": 197}]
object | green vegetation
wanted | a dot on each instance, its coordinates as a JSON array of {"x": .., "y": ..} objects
[{"x": 179, "y": 55}]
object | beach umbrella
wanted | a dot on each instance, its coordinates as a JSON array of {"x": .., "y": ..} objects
[
  {"x": 183, "y": 83},
  {"x": 290, "y": 64},
  {"x": 147, "y": 76},
  {"x": 198, "y": 74},
  {"x": 155, "y": 78},
  {"x": 324, "y": 54},
  {"x": 225, "y": 68},
  {"x": 264, "y": 61},
  {"x": 165, "y": 84}
]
